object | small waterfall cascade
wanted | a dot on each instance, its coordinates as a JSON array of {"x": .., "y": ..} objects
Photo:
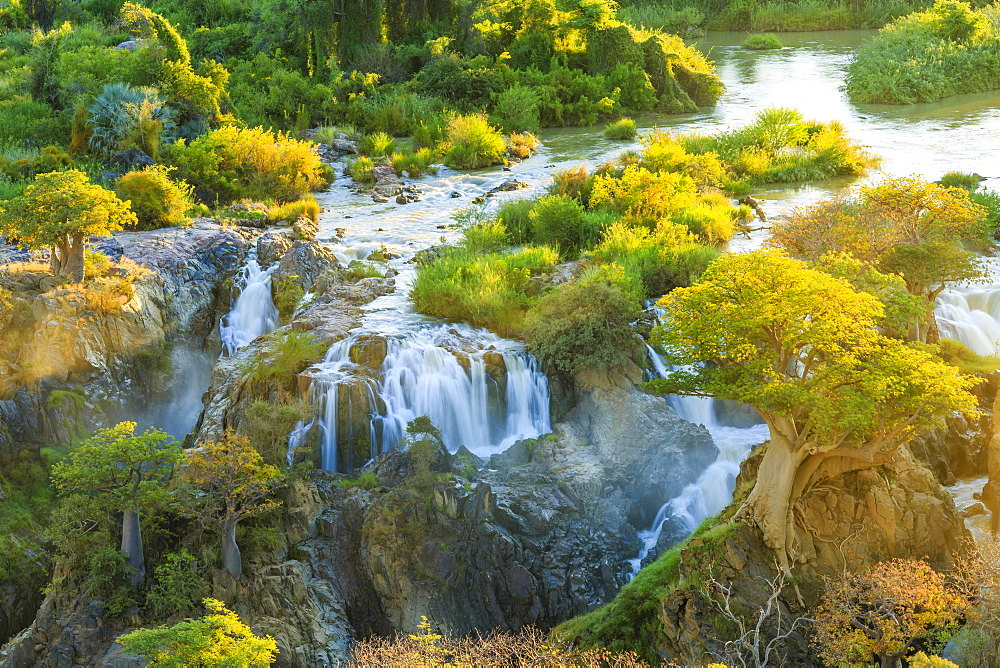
[
  {"x": 713, "y": 490},
  {"x": 481, "y": 391},
  {"x": 254, "y": 313},
  {"x": 297, "y": 438},
  {"x": 971, "y": 315}
]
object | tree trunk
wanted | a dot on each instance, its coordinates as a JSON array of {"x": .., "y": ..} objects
[
  {"x": 232, "y": 561},
  {"x": 132, "y": 546},
  {"x": 771, "y": 499},
  {"x": 74, "y": 263},
  {"x": 888, "y": 660}
]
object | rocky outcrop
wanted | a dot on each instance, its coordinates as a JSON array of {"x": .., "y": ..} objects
[{"x": 897, "y": 510}]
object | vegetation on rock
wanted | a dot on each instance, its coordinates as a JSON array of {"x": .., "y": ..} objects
[{"x": 802, "y": 348}]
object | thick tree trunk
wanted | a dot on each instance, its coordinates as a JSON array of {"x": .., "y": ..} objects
[
  {"x": 888, "y": 661},
  {"x": 74, "y": 263},
  {"x": 132, "y": 546},
  {"x": 771, "y": 498},
  {"x": 232, "y": 561}
]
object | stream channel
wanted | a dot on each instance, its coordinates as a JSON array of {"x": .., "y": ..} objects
[{"x": 422, "y": 376}]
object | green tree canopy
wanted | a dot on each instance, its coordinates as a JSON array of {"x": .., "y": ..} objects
[
  {"x": 60, "y": 210},
  {"x": 229, "y": 482},
  {"x": 125, "y": 470},
  {"x": 802, "y": 347},
  {"x": 218, "y": 639},
  {"x": 904, "y": 226}
]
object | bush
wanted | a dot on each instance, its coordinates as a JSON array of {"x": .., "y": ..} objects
[
  {"x": 178, "y": 587},
  {"x": 493, "y": 290},
  {"x": 762, "y": 42},
  {"x": 515, "y": 216},
  {"x": 660, "y": 261},
  {"x": 521, "y": 145},
  {"x": 123, "y": 117},
  {"x": 620, "y": 129},
  {"x": 487, "y": 237},
  {"x": 231, "y": 163},
  {"x": 156, "y": 200},
  {"x": 948, "y": 49},
  {"x": 516, "y": 109},
  {"x": 583, "y": 325},
  {"x": 560, "y": 221},
  {"x": 961, "y": 180},
  {"x": 377, "y": 145},
  {"x": 361, "y": 170},
  {"x": 306, "y": 207},
  {"x": 283, "y": 356},
  {"x": 474, "y": 143}
]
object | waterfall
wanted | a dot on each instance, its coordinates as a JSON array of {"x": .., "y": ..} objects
[
  {"x": 443, "y": 372},
  {"x": 713, "y": 490},
  {"x": 297, "y": 438},
  {"x": 972, "y": 316},
  {"x": 253, "y": 314}
]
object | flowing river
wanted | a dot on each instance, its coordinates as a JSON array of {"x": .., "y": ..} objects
[{"x": 961, "y": 133}]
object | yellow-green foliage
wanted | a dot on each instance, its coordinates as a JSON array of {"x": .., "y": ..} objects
[
  {"x": 361, "y": 170},
  {"x": 522, "y": 145},
  {"x": 233, "y": 163},
  {"x": 306, "y": 207},
  {"x": 490, "y": 290},
  {"x": 660, "y": 260},
  {"x": 645, "y": 198},
  {"x": 958, "y": 354},
  {"x": 947, "y": 49},
  {"x": 663, "y": 153},
  {"x": 762, "y": 42},
  {"x": 218, "y": 638},
  {"x": 377, "y": 145},
  {"x": 779, "y": 146},
  {"x": 474, "y": 143},
  {"x": 285, "y": 354},
  {"x": 620, "y": 129},
  {"x": 156, "y": 199}
]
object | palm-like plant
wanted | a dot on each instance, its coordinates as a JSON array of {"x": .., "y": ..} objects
[{"x": 124, "y": 117}]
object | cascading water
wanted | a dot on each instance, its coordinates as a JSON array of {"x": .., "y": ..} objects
[
  {"x": 443, "y": 372},
  {"x": 972, "y": 316},
  {"x": 254, "y": 313},
  {"x": 713, "y": 490}
]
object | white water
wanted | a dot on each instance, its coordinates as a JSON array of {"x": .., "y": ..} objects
[
  {"x": 297, "y": 438},
  {"x": 972, "y": 316},
  {"x": 254, "y": 313},
  {"x": 713, "y": 490},
  {"x": 423, "y": 374}
]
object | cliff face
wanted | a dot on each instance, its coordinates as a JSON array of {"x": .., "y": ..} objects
[
  {"x": 898, "y": 510},
  {"x": 80, "y": 361}
]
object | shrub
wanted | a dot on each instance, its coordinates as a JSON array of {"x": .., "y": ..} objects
[
  {"x": 660, "y": 260},
  {"x": 474, "y": 143},
  {"x": 515, "y": 216},
  {"x": 620, "y": 129},
  {"x": 961, "y": 180},
  {"x": 762, "y": 42},
  {"x": 123, "y": 117},
  {"x": 156, "y": 200},
  {"x": 516, "y": 109},
  {"x": 288, "y": 293},
  {"x": 583, "y": 325},
  {"x": 560, "y": 221},
  {"x": 107, "y": 295},
  {"x": 487, "y": 237},
  {"x": 377, "y": 145},
  {"x": 306, "y": 207},
  {"x": 367, "y": 480},
  {"x": 178, "y": 587},
  {"x": 361, "y": 170},
  {"x": 949, "y": 49},
  {"x": 268, "y": 424},
  {"x": 492, "y": 290},
  {"x": 231, "y": 163},
  {"x": 522, "y": 145},
  {"x": 283, "y": 356}
]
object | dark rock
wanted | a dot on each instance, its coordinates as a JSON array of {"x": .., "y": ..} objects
[
  {"x": 455, "y": 194},
  {"x": 131, "y": 159},
  {"x": 271, "y": 247}
]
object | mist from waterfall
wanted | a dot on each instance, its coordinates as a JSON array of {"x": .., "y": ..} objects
[
  {"x": 253, "y": 314},
  {"x": 713, "y": 490},
  {"x": 440, "y": 371}
]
